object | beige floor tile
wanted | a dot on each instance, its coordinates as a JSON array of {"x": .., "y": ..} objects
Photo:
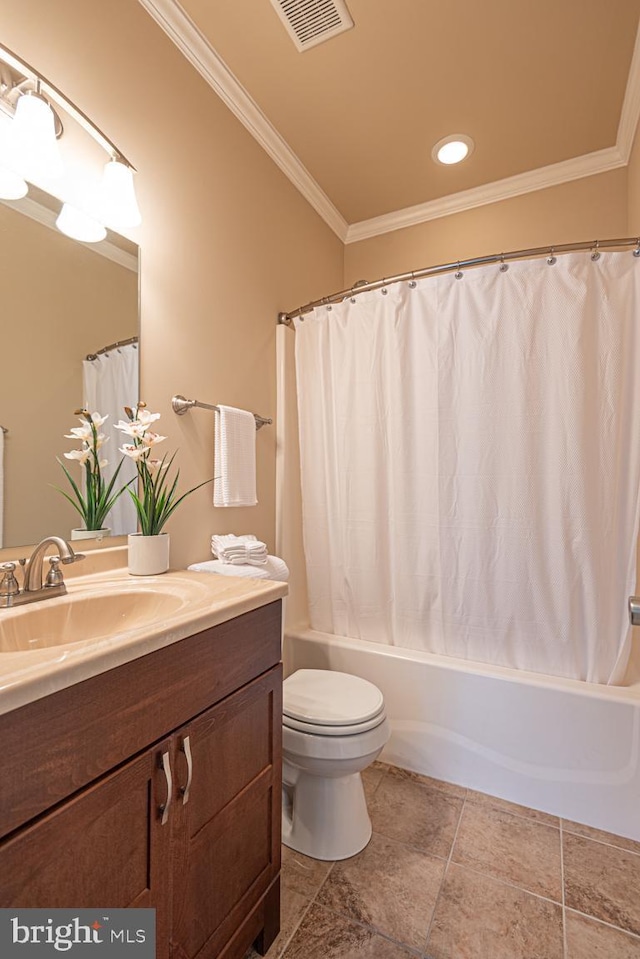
[
  {"x": 484, "y": 799},
  {"x": 292, "y": 909},
  {"x": 602, "y": 881},
  {"x": 601, "y": 836},
  {"x": 411, "y": 809},
  {"x": 302, "y": 874},
  {"x": 451, "y": 789},
  {"x": 390, "y": 886},
  {"x": 511, "y": 848},
  {"x": 588, "y": 939},
  {"x": 323, "y": 935},
  {"x": 479, "y": 918},
  {"x": 372, "y": 777}
]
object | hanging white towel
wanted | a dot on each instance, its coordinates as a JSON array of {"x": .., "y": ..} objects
[{"x": 235, "y": 458}]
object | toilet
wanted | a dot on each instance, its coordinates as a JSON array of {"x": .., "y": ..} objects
[{"x": 334, "y": 726}]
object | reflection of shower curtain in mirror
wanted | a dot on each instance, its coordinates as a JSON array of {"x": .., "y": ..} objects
[{"x": 110, "y": 382}]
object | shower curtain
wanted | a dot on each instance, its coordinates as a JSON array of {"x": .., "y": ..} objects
[
  {"x": 470, "y": 457},
  {"x": 110, "y": 382}
]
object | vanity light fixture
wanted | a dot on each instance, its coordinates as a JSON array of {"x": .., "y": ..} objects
[
  {"x": 12, "y": 185},
  {"x": 452, "y": 149},
  {"x": 78, "y": 225},
  {"x": 34, "y": 136},
  {"x": 29, "y": 129},
  {"x": 118, "y": 195}
]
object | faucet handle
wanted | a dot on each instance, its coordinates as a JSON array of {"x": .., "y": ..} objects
[
  {"x": 54, "y": 576},
  {"x": 9, "y": 583}
]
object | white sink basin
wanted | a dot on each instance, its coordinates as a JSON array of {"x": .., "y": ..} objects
[{"x": 84, "y": 615}]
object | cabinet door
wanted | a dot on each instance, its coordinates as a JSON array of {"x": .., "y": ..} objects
[
  {"x": 105, "y": 848},
  {"x": 229, "y": 826}
]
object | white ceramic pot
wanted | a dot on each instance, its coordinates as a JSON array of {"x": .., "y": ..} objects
[
  {"x": 81, "y": 533},
  {"x": 148, "y": 555}
]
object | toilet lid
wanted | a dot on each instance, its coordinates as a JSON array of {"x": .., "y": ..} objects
[{"x": 327, "y": 698}]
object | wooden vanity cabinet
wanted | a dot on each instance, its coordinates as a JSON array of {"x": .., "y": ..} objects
[{"x": 187, "y": 821}]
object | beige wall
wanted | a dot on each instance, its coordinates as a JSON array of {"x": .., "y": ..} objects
[
  {"x": 60, "y": 301},
  {"x": 226, "y": 240},
  {"x": 595, "y": 207},
  {"x": 633, "y": 177}
]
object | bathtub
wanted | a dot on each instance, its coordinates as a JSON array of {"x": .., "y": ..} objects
[{"x": 567, "y": 747}]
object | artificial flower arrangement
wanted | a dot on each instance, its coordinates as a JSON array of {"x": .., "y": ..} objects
[
  {"x": 156, "y": 498},
  {"x": 94, "y": 503}
]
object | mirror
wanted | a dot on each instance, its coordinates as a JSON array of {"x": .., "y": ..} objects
[{"x": 61, "y": 301}]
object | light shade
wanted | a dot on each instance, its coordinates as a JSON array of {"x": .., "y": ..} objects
[
  {"x": 452, "y": 149},
  {"x": 34, "y": 130},
  {"x": 12, "y": 185},
  {"x": 79, "y": 226},
  {"x": 118, "y": 196}
]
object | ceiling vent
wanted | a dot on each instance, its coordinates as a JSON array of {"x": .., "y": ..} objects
[{"x": 310, "y": 22}]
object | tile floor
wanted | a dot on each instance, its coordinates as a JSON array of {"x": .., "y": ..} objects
[{"x": 455, "y": 874}]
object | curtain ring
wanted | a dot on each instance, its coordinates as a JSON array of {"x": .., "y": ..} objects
[
  {"x": 636, "y": 252},
  {"x": 596, "y": 252},
  {"x": 384, "y": 291},
  {"x": 503, "y": 266},
  {"x": 458, "y": 274},
  {"x": 551, "y": 259}
]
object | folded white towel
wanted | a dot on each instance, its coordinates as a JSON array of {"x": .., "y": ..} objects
[
  {"x": 274, "y": 569},
  {"x": 239, "y": 549},
  {"x": 235, "y": 458}
]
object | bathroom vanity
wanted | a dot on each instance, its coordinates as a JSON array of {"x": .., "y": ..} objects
[{"x": 154, "y": 782}]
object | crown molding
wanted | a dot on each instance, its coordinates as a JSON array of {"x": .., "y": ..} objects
[
  {"x": 630, "y": 113},
  {"x": 553, "y": 175},
  {"x": 42, "y": 214},
  {"x": 179, "y": 27}
]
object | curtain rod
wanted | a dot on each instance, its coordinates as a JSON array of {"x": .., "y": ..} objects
[
  {"x": 286, "y": 319},
  {"x": 112, "y": 346}
]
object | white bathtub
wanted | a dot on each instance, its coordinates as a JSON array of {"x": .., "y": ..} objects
[{"x": 567, "y": 747}]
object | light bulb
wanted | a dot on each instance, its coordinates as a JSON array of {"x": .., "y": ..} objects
[
  {"x": 79, "y": 226},
  {"x": 118, "y": 198},
  {"x": 34, "y": 129}
]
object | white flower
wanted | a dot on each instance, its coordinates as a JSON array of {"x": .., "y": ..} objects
[
  {"x": 147, "y": 418},
  {"x": 98, "y": 420},
  {"x": 80, "y": 455},
  {"x": 80, "y": 432},
  {"x": 135, "y": 452},
  {"x": 134, "y": 428},
  {"x": 102, "y": 463},
  {"x": 101, "y": 439},
  {"x": 151, "y": 439},
  {"x": 156, "y": 465}
]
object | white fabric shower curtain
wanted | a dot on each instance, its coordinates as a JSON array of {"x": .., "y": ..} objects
[
  {"x": 470, "y": 455},
  {"x": 110, "y": 382}
]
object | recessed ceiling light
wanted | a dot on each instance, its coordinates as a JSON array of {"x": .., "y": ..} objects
[{"x": 452, "y": 149}]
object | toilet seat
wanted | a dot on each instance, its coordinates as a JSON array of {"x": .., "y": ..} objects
[{"x": 324, "y": 702}]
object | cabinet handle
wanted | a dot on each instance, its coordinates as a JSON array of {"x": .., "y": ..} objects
[
  {"x": 165, "y": 764},
  {"x": 186, "y": 749}
]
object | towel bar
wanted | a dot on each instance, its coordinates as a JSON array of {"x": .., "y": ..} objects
[{"x": 181, "y": 405}]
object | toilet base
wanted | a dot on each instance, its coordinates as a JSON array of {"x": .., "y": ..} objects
[{"x": 324, "y": 818}]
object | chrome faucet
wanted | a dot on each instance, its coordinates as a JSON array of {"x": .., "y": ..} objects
[{"x": 34, "y": 589}]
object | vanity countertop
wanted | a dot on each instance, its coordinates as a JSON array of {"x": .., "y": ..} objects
[{"x": 188, "y": 603}]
